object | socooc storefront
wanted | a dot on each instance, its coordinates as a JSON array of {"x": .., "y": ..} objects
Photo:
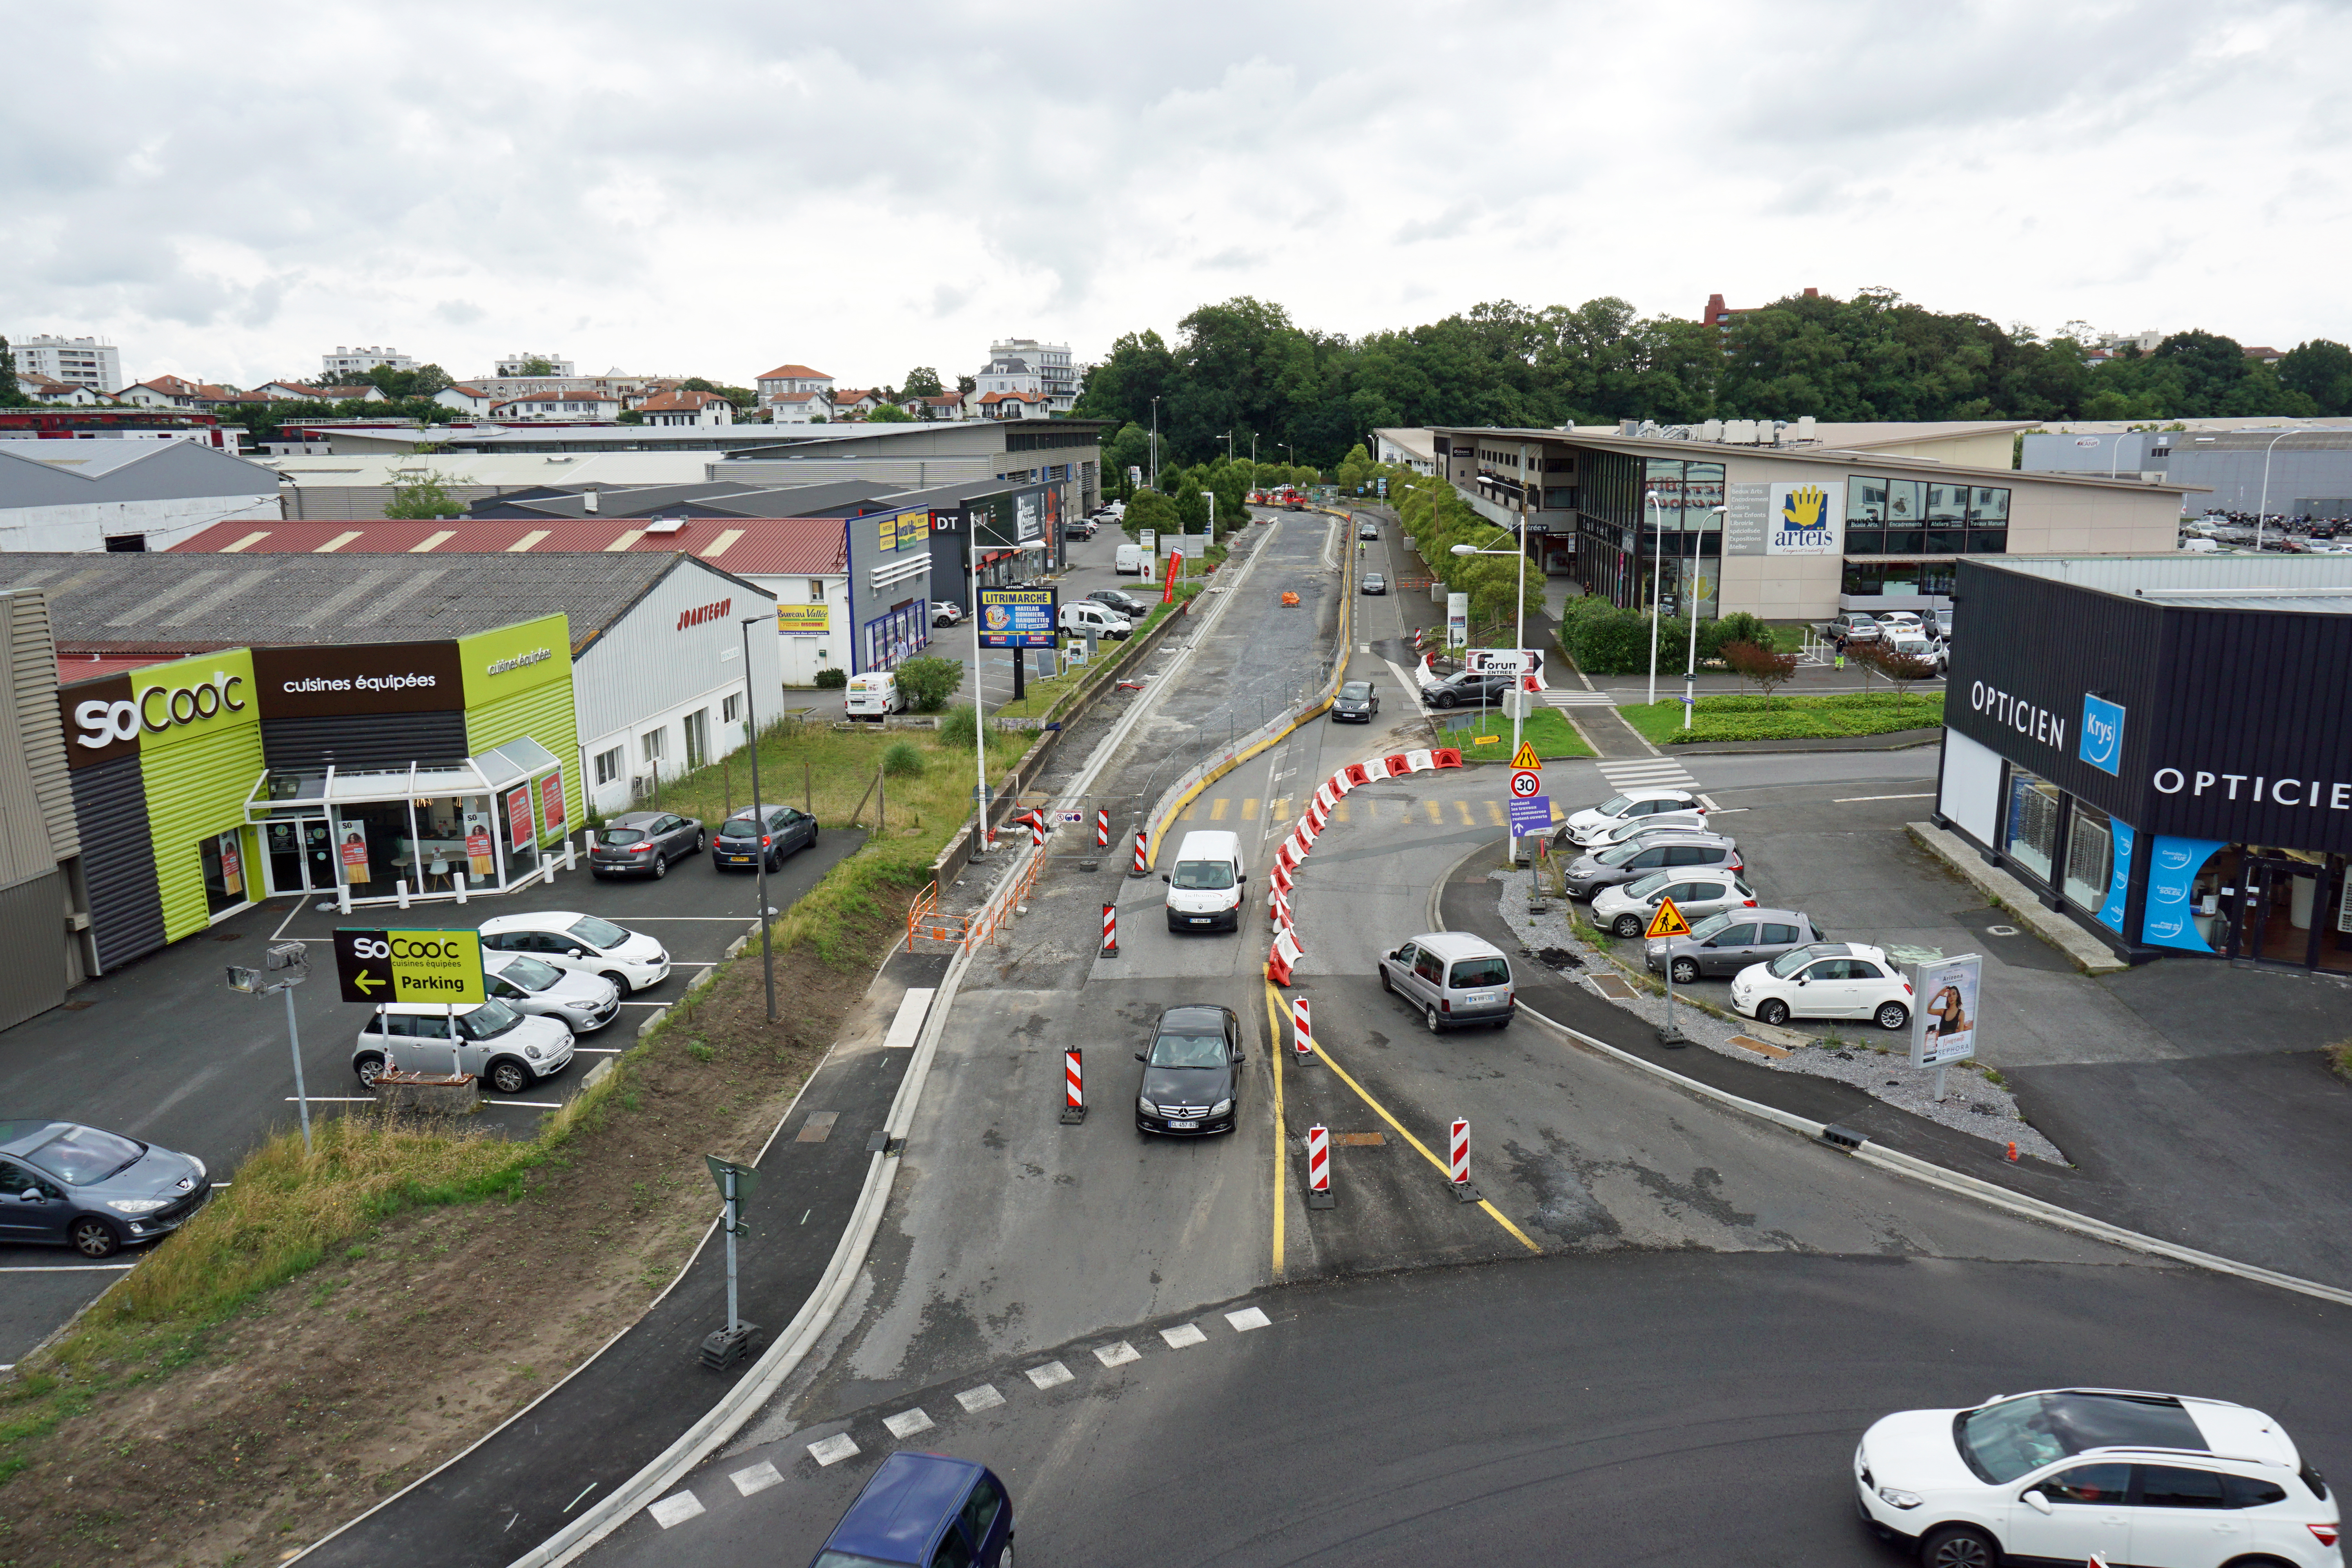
[{"x": 366, "y": 771}]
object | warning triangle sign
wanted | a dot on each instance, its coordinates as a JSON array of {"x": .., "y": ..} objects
[
  {"x": 1668, "y": 920},
  {"x": 1525, "y": 757}
]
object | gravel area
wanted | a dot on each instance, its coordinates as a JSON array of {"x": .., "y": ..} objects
[{"x": 1972, "y": 1103}]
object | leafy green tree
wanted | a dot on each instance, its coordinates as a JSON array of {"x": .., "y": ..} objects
[
  {"x": 928, "y": 681},
  {"x": 1149, "y": 509},
  {"x": 889, "y": 414},
  {"x": 630, "y": 416},
  {"x": 923, "y": 382},
  {"x": 2320, "y": 370},
  {"x": 418, "y": 492},
  {"x": 11, "y": 395},
  {"x": 535, "y": 365}
]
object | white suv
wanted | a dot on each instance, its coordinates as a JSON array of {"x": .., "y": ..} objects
[
  {"x": 2075, "y": 1475},
  {"x": 568, "y": 939},
  {"x": 1824, "y": 980}
]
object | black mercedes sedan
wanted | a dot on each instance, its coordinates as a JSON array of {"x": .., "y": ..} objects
[{"x": 1191, "y": 1073}]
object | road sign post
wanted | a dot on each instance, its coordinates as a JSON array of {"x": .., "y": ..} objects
[
  {"x": 1669, "y": 923},
  {"x": 1527, "y": 784},
  {"x": 725, "y": 1347}
]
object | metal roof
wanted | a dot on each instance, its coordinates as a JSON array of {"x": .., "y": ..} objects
[
  {"x": 2307, "y": 584},
  {"x": 188, "y": 601},
  {"x": 761, "y": 546}
]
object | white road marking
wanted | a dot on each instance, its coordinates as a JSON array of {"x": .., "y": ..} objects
[
  {"x": 758, "y": 1478},
  {"x": 337, "y": 1099},
  {"x": 1118, "y": 1355},
  {"x": 1858, "y": 799},
  {"x": 1182, "y": 1335},
  {"x": 676, "y": 1509},
  {"x": 834, "y": 1449},
  {"x": 1248, "y": 1318},
  {"x": 908, "y": 1023},
  {"x": 906, "y": 1423},
  {"x": 1708, "y": 801},
  {"x": 975, "y": 1400},
  {"x": 1053, "y": 1374}
]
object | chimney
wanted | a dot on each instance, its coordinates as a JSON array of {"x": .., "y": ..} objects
[{"x": 1812, "y": 293}]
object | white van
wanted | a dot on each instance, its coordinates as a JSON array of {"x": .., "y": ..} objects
[
  {"x": 1084, "y": 617},
  {"x": 873, "y": 695},
  {"x": 1205, "y": 888},
  {"x": 1131, "y": 562}
]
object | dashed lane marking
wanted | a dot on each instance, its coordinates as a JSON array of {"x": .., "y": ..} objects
[
  {"x": 975, "y": 1400},
  {"x": 758, "y": 1478},
  {"x": 1182, "y": 1336},
  {"x": 675, "y": 1509},
  {"x": 1053, "y": 1374},
  {"x": 832, "y": 1450},
  {"x": 1248, "y": 1318},
  {"x": 906, "y": 1423},
  {"x": 1858, "y": 799},
  {"x": 1118, "y": 1355}
]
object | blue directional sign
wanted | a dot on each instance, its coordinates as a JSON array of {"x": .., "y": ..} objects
[{"x": 1529, "y": 817}]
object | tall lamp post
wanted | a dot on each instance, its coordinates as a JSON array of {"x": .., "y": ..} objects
[
  {"x": 760, "y": 811},
  {"x": 1690, "y": 670},
  {"x": 284, "y": 966},
  {"x": 979, "y": 833},
  {"x": 1657, "y": 580},
  {"x": 2264, "y": 505},
  {"x": 1518, "y": 707}
]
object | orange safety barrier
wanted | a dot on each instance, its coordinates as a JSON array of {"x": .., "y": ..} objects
[{"x": 1289, "y": 598}]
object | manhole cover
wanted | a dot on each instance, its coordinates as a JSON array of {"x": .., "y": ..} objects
[{"x": 2002, "y": 931}]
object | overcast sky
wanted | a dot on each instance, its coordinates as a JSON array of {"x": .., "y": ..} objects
[{"x": 715, "y": 188}]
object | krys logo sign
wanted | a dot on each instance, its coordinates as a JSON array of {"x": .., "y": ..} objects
[
  {"x": 2103, "y": 734},
  {"x": 1806, "y": 519}
]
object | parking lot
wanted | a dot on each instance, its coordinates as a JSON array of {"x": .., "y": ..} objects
[{"x": 163, "y": 1051}]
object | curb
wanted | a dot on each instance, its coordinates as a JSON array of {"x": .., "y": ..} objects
[
  {"x": 1926, "y": 1172},
  {"x": 2085, "y": 951}
]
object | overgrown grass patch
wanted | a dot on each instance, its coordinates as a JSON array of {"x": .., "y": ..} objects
[
  {"x": 1546, "y": 730},
  {"x": 1786, "y": 718}
]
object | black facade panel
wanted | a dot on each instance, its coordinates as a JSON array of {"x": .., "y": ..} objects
[
  {"x": 34, "y": 979},
  {"x": 2255, "y": 699},
  {"x": 2027, "y": 652},
  {"x": 117, "y": 860},
  {"x": 365, "y": 740}
]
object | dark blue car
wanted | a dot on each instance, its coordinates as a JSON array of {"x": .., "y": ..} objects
[
  {"x": 64, "y": 1184},
  {"x": 925, "y": 1511}
]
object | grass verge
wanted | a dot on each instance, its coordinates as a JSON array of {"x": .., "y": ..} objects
[
  {"x": 1785, "y": 718},
  {"x": 1040, "y": 698},
  {"x": 2339, "y": 1057},
  {"x": 830, "y": 772},
  {"x": 1548, "y": 729}
]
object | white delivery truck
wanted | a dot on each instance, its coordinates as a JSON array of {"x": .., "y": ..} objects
[
  {"x": 1087, "y": 618},
  {"x": 1207, "y": 886},
  {"x": 1133, "y": 561},
  {"x": 873, "y": 695}
]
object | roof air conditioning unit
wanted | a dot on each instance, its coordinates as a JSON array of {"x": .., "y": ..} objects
[
  {"x": 589, "y": 502},
  {"x": 1739, "y": 432},
  {"x": 1805, "y": 427},
  {"x": 1711, "y": 431}
]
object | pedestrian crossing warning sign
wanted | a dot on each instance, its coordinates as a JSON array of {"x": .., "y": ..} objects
[
  {"x": 1668, "y": 920},
  {"x": 1525, "y": 757}
]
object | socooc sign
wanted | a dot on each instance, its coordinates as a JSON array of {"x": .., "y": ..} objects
[{"x": 156, "y": 709}]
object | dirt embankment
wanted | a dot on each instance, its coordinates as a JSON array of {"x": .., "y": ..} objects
[{"x": 413, "y": 1339}]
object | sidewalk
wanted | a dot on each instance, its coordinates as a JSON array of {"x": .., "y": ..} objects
[
  {"x": 2205, "y": 1143},
  {"x": 619, "y": 1411}
]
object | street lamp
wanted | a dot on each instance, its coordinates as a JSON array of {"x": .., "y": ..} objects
[
  {"x": 1519, "y": 637},
  {"x": 979, "y": 833},
  {"x": 284, "y": 965},
  {"x": 1690, "y": 670},
  {"x": 759, "y": 812},
  {"x": 2266, "y": 504},
  {"x": 1657, "y": 581}
]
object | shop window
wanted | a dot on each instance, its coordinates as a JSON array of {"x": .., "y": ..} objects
[
  {"x": 609, "y": 765},
  {"x": 1904, "y": 502},
  {"x": 1988, "y": 506},
  {"x": 655, "y": 743},
  {"x": 1947, "y": 540},
  {"x": 1946, "y": 503},
  {"x": 1907, "y": 542},
  {"x": 1988, "y": 541},
  {"x": 1865, "y": 541},
  {"x": 2090, "y": 858},
  {"x": 1865, "y": 501},
  {"x": 226, "y": 877},
  {"x": 2030, "y": 836}
]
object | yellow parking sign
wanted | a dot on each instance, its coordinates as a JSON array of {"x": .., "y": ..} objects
[{"x": 377, "y": 966}]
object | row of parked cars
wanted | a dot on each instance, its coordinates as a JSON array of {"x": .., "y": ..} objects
[{"x": 1630, "y": 853}]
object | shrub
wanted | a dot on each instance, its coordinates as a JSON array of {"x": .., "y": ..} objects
[
  {"x": 1757, "y": 662},
  {"x": 903, "y": 759},
  {"x": 832, "y": 679},
  {"x": 927, "y": 681},
  {"x": 959, "y": 726},
  {"x": 1738, "y": 627}
]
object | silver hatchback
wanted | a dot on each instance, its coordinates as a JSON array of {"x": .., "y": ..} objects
[
  {"x": 1728, "y": 942},
  {"x": 1453, "y": 977},
  {"x": 581, "y": 1002}
]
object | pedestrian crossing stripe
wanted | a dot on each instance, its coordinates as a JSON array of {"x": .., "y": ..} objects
[{"x": 1579, "y": 700}]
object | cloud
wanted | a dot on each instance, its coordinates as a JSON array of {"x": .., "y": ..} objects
[{"x": 717, "y": 189}]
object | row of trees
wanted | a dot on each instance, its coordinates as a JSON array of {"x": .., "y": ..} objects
[
  {"x": 1180, "y": 503},
  {"x": 1244, "y": 368}
]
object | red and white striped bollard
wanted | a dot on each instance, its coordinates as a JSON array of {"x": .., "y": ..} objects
[
  {"x": 1318, "y": 1169},
  {"x": 1102, "y": 829},
  {"x": 1140, "y": 868},
  {"x": 1462, "y": 1189},
  {"x": 1110, "y": 931},
  {"x": 1074, "y": 1090},
  {"x": 1302, "y": 1031},
  {"x": 1037, "y": 830}
]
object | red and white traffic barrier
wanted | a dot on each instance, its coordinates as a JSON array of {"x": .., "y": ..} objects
[
  {"x": 1302, "y": 1032},
  {"x": 1286, "y": 951},
  {"x": 1110, "y": 931},
  {"x": 1318, "y": 1169},
  {"x": 1102, "y": 829},
  {"x": 1141, "y": 868},
  {"x": 1318, "y": 816},
  {"x": 1073, "y": 1089},
  {"x": 1281, "y": 878},
  {"x": 1037, "y": 830},
  {"x": 1461, "y": 1163}
]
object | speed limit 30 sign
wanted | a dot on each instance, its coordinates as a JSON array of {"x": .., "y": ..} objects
[{"x": 1526, "y": 785}]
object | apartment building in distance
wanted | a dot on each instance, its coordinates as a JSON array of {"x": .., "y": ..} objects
[
  {"x": 347, "y": 364},
  {"x": 514, "y": 366},
  {"x": 797, "y": 382},
  {"x": 1025, "y": 364},
  {"x": 94, "y": 362}
]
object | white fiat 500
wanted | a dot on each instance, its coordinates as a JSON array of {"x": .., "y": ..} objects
[
  {"x": 2077, "y": 1475},
  {"x": 1824, "y": 980}
]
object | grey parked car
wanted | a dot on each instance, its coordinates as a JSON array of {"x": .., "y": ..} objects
[
  {"x": 1681, "y": 851},
  {"x": 64, "y": 1184},
  {"x": 1728, "y": 942},
  {"x": 742, "y": 842},
  {"x": 643, "y": 843},
  {"x": 578, "y": 1000}
]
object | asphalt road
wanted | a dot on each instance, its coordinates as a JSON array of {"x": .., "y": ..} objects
[
  {"x": 163, "y": 1051},
  {"x": 1663, "y": 1406}
]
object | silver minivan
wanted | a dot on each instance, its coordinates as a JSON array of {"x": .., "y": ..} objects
[{"x": 1453, "y": 977}]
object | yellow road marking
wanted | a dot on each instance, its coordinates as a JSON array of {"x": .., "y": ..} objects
[
  {"x": 1558, "y": 814},
  {"x": 1281, "y": 1127},
  {"x": 1464, "y": 807},
  {"x": 1340, "y": 812},
  {"x": 1218, "y": 807},
  {"x": 1189, "y": 807},
  {"x": 1281, "y": 811},
  {"x": 1495, "y": 815},
  {"x": 1434, "y": 814},
  {"x": 1249, "y": 807},
  {"x": 1422, "y": 1149}
]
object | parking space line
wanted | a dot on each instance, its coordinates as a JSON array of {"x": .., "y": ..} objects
[
  {"x": 1218, "y": 807},
  {"x": 68, "y": 1268},
  {"x": 1858, "y": 799},
  {"x": 1419, "y": 1147}
]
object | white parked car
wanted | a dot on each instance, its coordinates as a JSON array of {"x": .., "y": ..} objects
[
  {"x": 1626, "y": 909},
  {"x": 1824, "y": 980},
  {"x": 2077, "y": 1475},
  {"x": 506, "y": 1049},
  {"x": 565, "y": 939},
  {"x": 1635, "y": 826},
  {"x": 1620, "y": 809},
  {"x": 1918, "y": 646},
  {"x": 946, "y": 613},
  {"x": 582, "y": 1003},
  {"x": 1897, "y": 621}
]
